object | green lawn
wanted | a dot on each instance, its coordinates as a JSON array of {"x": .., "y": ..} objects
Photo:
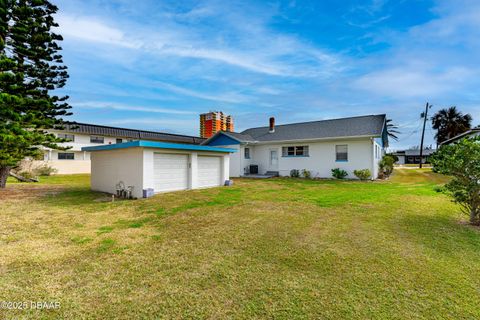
[{"x": 277, "y": 248}]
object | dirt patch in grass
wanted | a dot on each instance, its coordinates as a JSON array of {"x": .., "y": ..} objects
[{"x": 29, "y": 191}]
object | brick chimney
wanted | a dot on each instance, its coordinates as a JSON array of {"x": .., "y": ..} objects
[{"x": 272, "y": 125}]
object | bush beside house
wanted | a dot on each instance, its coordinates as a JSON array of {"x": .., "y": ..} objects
[
  {"x": 363, "y": 174},
  {"x": 339, "y": 173},
  {"x": 386, "y": 166}
]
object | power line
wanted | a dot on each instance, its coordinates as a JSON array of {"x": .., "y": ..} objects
[{"x": 412, "y": 132}]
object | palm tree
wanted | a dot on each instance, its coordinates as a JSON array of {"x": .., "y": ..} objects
[
  {"x": 392, "y": 130},
  {"x": 450, "y": 123}
]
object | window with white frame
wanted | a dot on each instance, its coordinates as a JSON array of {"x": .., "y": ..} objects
[
  {"x": 66, "y": 156},
  {"x": 96, "y": 139},
  {"x": 246, "y": 153},
  {"x": 295, "y": 151},
  {"x": 119, "y": 140},
  {"x": 66, "y": 136},
  {"x": 341, "y": 152}
]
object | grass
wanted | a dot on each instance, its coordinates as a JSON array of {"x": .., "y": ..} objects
[{"x": 276, "y": 248}]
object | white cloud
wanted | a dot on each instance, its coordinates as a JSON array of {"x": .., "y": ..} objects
[
  {"x": 150, "y": 121},
  {"x": 225, "y": 97},
  {"x": 256, "y": 49},
  {"x": 225, "y": 56},
  {"x": 93, "y": 30},
  {"x": 181, "y": 126},
  {"x": 123, "y": 107},
  {"x": 410, "y": 82}
]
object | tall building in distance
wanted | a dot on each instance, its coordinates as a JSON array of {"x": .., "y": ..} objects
[{"x": 214, "y": 121}]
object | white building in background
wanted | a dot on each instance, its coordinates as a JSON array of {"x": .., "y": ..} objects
[
  {"x": 74, "y": 160},
  {"x": 318, "y": 146}
]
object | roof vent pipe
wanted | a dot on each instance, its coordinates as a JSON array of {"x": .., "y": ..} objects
[{"x": 272, "y": 125}]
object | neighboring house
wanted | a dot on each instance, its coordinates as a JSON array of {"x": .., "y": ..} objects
[
  {"x": 318, "y": 146},
  {"x": 74, "y": 160},
  {"x": 470, "y": 133},
  {"x": 412, "y": 156}
]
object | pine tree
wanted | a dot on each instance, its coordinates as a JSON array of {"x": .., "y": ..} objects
[{"x": 31, "y": 68}]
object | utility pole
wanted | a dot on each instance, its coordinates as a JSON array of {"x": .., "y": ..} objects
[{"x": 425, "y": 116}]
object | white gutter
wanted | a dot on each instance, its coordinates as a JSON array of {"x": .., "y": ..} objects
[{"x": 312, "y": 140}]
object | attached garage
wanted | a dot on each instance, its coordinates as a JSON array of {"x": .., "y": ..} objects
[
  {"x": 209, "y": 171},
  {"x": 163, "y": 167}
]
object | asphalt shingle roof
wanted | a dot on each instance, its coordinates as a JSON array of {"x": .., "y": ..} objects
[
  {"x": 416, "y": 152},
  {"x": 239, "y": 136},
  {"x": 371, "y": 125}
]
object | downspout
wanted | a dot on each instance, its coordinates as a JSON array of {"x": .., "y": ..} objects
[{"x": 373, "y": 157}]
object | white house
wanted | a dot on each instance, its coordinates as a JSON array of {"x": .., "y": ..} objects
[
  {"x": 161, "y": 166},
  {"x": 74, "y": 160},
  {"x": 318, "y": 146},
  {"x": 475, "y": 132}
]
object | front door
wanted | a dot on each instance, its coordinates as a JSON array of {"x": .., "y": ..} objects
[{"x": 273, "y": 160}]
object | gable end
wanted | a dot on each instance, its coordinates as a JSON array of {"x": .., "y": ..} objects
[{"x": 222, "y": 140}]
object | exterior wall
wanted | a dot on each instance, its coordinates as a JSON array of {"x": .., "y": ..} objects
[
  {"x": 83, "y": 140},
  {"x": 67, "y": 166},
  {"x": 109, "y": 167},
  {"x": 377, "y": 156},
  {"x": 235, "y": 161},
  {"x": 245, "y": 163},
  {"x": 238, "y": 163},
  {"x": 81, "y": 163},
  {"x": 401, "y": 160},
  {"x": 321, "y": 158}
]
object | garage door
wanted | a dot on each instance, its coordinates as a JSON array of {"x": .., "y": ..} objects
[
  {"x": 209, "y": 171},
  {"x": 170, "y": 172}
]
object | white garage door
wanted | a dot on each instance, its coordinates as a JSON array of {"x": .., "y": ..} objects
[
  {"x": 209, "y": 171},
  {"x": 170, "y": 172}
]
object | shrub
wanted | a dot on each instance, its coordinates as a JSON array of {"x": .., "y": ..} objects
[
  {"x": 44, "y": 170},
  {"x": 339, "y": 173},
  {"x": 395, "y": 158},
  {"x": 294, "y": 173},
  {"x": 460, "y": 160},
  {"x": 386, "y": 166},
  {"x": 363, "y": 174},
  {"x": 306, "y": 174}
]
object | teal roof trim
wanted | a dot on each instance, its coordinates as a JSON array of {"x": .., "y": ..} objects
[{"x": 157, "y": 145}]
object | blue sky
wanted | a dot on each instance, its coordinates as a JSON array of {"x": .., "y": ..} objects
[{"x": 157, "y": 64}]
